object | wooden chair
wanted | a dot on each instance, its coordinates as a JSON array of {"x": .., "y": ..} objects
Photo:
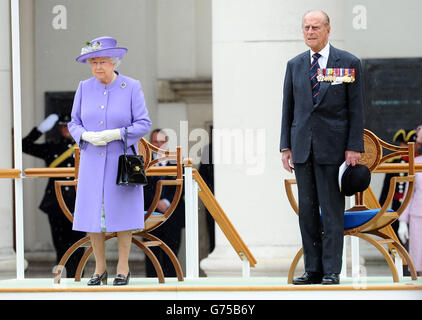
[
  {"x": 367, "y": 218},
  {"x": 142, "y": 239}
]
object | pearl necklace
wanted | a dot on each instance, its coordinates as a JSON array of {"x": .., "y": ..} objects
[{"x": 114, "y": 78}]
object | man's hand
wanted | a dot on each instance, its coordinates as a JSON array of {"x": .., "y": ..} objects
[
  {"x": 287, "y": 159},
  {"x": 352, "y": 157}
]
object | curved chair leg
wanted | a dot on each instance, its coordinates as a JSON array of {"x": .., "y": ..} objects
[
  {"x": 408, "y": 259},
  {"x": 293, "y": 265},
  {"x": 67, "y": 254},
  {"x": 169, "y": 252},
  {"x": 404, "y": 253},
  {"x": 152, "y": 257},
  {"x": 384, "y": 252},
  {"x": 82, "y": 263}
]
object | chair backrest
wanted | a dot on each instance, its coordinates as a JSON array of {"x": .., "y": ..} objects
[
  {"x": 145, "y": 149},
  {"x": 374, "y": 156},
  {"x": 58, "y": 184}
]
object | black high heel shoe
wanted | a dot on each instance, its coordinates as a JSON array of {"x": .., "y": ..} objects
[
  {"x": 121, "y": 280},
  {"x": 96, "y": 279}
]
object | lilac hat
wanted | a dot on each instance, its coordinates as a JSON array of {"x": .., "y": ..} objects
[{"x": 101, "y": 47}]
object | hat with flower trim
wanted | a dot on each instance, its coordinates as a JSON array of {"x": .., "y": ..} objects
[{"x": 101, "y": 47}]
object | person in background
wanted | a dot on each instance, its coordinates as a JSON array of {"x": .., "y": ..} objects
[
  {"x": 58, "y": 153},
  {"x": 418, "y": 138},
  {"x": 169, "y": 232},
  {"x": 410, "y": 221}
]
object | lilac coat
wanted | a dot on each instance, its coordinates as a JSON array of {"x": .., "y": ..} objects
[
  {"x": 414, "y": 208},
  {"x": 96, "y": 108},
  {"x": 412, "y": 215}
]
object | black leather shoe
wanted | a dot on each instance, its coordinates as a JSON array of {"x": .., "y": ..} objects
[
  {"x": 121, "y": 280},
  {"x": 96, "y": 279},
  {"x": 331, "y": 278},
  {"x": 308, "y": 278}
]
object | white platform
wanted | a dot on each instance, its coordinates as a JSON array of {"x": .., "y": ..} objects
[{"x": 262, "y": 288}]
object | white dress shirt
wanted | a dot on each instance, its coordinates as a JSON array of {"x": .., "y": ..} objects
[{"x": 322, "y": 61}]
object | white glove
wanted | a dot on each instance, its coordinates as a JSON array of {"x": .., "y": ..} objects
[
  {"x": 48, "y": 123},
  {"x": 403, "y": 231},
  {"x": 110, "y": 135},
  {"x": 93, "y": 138}
]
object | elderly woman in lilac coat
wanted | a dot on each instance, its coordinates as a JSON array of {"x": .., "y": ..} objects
[{"x": 103, "y": 107}]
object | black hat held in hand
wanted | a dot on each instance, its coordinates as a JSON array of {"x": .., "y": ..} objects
[{"x": 353, "y": 179}]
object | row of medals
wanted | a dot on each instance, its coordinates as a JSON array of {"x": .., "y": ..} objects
[{"x": 330, "y": 75}]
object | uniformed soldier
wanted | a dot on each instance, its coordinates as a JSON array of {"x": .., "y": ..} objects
[{"x": 57, "y": 153}]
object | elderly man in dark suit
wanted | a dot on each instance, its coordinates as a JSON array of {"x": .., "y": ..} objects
[{"x": 322, "y": 126}]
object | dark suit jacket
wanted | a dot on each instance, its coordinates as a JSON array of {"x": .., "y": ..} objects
[{"x": 331, "y": 126}]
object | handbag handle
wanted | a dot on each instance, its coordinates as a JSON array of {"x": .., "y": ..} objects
[{"x": 133, "y": 148}]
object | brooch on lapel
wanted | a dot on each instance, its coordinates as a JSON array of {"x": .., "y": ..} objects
[
  {"x": 336, "y": 75},
  {"x": 123, "y": 85}
]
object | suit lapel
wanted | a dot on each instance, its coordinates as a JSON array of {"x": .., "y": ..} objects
[
  {"x": 306, "y": 64},
  {"x": 331, "y": 63}
]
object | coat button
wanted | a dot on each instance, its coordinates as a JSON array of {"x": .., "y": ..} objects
[
  {"x": 102, "y": 107},
  {"x": 105, "y": 92},
  {"x": 101, "y": 122},
  {"x": 102, "y": 154}
]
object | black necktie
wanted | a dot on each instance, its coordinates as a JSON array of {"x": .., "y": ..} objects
[{"x": 313, "y": 76}]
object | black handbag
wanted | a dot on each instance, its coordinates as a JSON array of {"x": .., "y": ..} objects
[{"x": 130, "y": 170}]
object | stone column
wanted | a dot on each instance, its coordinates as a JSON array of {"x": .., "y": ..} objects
[
  {"x": 252, "y": 42},
  {"x": 7, "y": 253}
]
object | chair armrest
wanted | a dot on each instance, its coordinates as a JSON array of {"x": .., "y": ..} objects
[
  {"x": 410, "y": 179},
  {"x": 58, "y": 184},
  {"x": 154, "y": 203},
  {"x": 178, "y": 183},
  {"x": 288, "y": 185},
  {"x": 158, "y": 190},
  {"x": 394, "y": 180}
]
